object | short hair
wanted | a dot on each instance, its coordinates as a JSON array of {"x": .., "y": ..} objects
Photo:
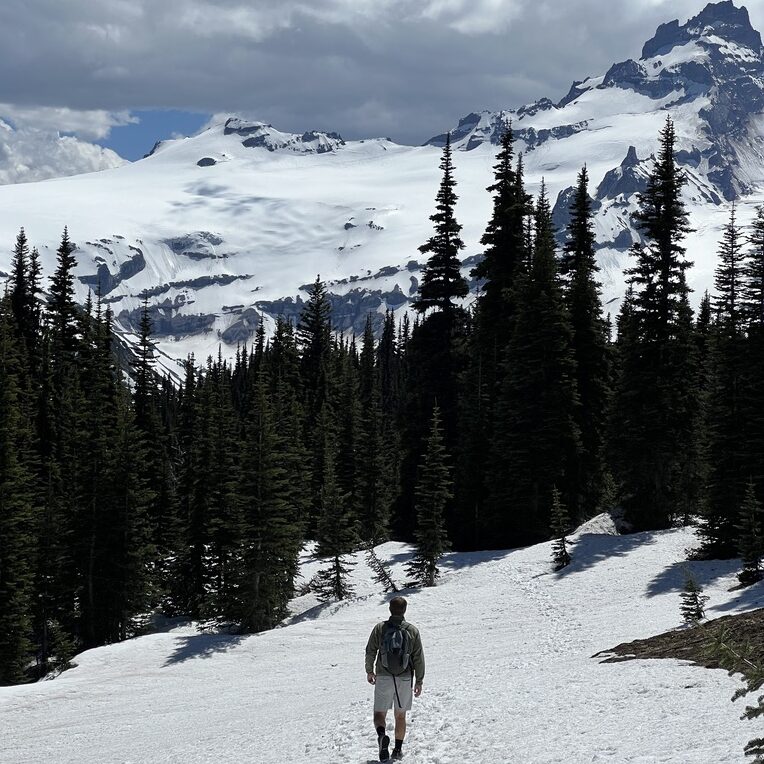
[{"x": 398, "y": 606}]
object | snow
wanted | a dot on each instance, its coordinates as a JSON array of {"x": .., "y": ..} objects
[{"x": 510, "y": 673}]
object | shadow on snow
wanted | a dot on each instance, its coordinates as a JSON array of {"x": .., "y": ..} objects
[{"x": 204, "y": 646}]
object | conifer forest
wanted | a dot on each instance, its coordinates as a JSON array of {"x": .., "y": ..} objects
[{"x": 485, "y": 424}]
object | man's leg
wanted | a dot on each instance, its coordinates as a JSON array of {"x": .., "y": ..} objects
[
  {"x": 400, "y": 725},
  {"x": 380, "y": 719}
]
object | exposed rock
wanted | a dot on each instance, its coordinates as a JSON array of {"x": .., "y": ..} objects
[
  {"x": 104, "y": 281},
  {"x": 242, "y": 330},
  {"x": 167, "y": 321},
  {"x": 197, "y": 283},
  {"x": 723, "y": 18},
  {"x": 207, "y": 162},
  {"x": 625, "y": 180},
  {"x": 196, "y": 246}
]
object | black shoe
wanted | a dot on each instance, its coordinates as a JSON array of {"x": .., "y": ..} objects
[
  {"x": 397, "y": 754},
  {"x": 384, "y": 748}
]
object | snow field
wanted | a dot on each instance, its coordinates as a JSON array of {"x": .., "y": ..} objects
[{"x": 510, "y": 674}]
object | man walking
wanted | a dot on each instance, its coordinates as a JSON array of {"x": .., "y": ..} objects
[{"x": 396, "y": 646}]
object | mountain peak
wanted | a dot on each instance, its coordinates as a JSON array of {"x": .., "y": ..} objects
[{"x": 722, "y": 19}]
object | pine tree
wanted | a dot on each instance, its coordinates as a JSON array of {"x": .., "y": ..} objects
[
  {"x": 655, "y": 393},
  {"x": 505, "y": 254},
  {"x": 337, "y": 537},
  {"x": 727, "y": 417},
  {"x": 560, "y": 527},
  {"x": 314, "y": 335},
  {"x": 17, "y": 509},
  {"x": 537, "y": 440},
  {"x": 505, "y": 261},
  {"x": 750, "y": 539},
  {"x": 273, "y": 531},
  {"x": 435, "y": 354},
  {"x": 590, "y": 349},
  {"x": 62, "y": 307},
  {"x": 433, "y": 491},
  {"x": 693, "y": 601},
  {"x": 753, "y": 277},
  {"x": 442, "y": 282}
]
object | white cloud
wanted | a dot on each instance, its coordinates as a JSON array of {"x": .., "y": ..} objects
[
  {"x": 93, "y": 124},
  {"x": 418, "y": 65},
  {"x": 475, "y": 17},
  {"x": 30, "y": 154}
]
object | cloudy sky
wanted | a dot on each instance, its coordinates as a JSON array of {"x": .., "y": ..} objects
[{"x": 127, "y": 72}]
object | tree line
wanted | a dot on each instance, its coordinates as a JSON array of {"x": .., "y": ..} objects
[{"x": 489, "y": 424}]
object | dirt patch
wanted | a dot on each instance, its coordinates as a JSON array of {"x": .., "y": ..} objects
[{"x": 743, "y": 633}]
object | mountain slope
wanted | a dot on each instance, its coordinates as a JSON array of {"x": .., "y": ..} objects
[
  {"x": 228, "y": 226},
  {"x": 509, "y": 673}
]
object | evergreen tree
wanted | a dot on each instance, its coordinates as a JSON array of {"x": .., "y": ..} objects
[
  {"x": 750, "y": 539},
  {"x": 505, "y": 255},
  {"x": 337, "y": 537},
  {"x": 17, "y": 509},
  {"x": 314, "y": 335},
  {"x": 590, "y": 350},
  {"x": 537, "y": 440},
  {"x": 752, "y": 296},
  {"x": 727, "y": 417},
  {"x": 654, "y": 396},
  {"x": 693, "y": 601},
  {"x": 560, "y": 527},
  {"x": 435, "y": 354},
  {"x": 62, "y": 308},
  {"x": 442, "y": 282},
  {"x": 273, "y": 531},
  {"x": 433, "y": 491}
]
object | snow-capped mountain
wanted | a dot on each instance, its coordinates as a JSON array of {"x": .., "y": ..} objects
[
  {"x": 227, "y": 227},
  {"x": 510, "y": 673}
]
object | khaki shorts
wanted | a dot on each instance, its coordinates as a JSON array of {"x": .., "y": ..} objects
[{"x": 386, "y": 697}]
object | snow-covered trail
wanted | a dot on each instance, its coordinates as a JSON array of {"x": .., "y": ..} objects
[{"x": 510, "y": 677}]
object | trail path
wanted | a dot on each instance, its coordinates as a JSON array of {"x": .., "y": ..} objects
[{"x": 510, "y": 677}]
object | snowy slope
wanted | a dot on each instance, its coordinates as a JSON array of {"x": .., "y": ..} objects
[
  {"x": 510, "y": 677},
  {"x": 228, "y": 226}
]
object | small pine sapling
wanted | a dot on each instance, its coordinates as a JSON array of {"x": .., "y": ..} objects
[
  {"x": 693, "y": 601},
  {"x": 560, "y": 527},
  {"x": 750, "y": 541},
  {"x": 433, "y": 492}
]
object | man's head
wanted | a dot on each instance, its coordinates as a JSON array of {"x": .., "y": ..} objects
[{"x": 398, "y": 606}]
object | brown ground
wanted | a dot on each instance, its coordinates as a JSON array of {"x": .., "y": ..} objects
[{"x": 744, "y": 633}]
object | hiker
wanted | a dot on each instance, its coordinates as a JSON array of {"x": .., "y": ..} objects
[{"x": 397, "y": 648}]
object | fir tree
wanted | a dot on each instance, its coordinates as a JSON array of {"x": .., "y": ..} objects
[
  {"x": 442, "y": 282},
  {"x": 560, "y": 527},
  {"x": 727, "y": 417},
  {"x": 337, "y": 537},
  {"x": 753, "y": 276},
  {"x": 505, "y": 254},
  {"x": 17, "y": 509},
  {"x": 273, "y": 531},
  {"x": 433, "y": 491},
  {"x": 62, "y": 308},
  {"x": 590, "y": 349},
  {"x": 655, "y": 392},
  {"x": 750, "y": 539},
  {"x": 693, "y": 601},
  {"x": 536, "y": 442}
]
